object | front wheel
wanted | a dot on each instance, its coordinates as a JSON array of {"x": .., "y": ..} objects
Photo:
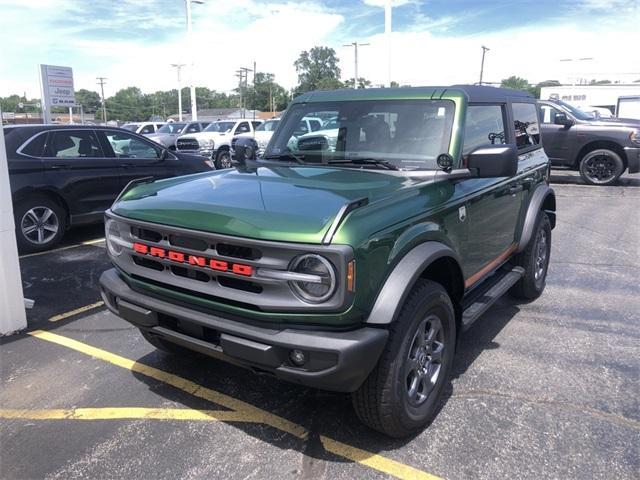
[
  {"x": 601, "y": 167},
  {"x": 223, "y": 160},
  {"x": 402, "y": 394}
]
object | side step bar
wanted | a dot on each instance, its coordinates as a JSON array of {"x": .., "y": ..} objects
[{"x": 481, "y": 304}]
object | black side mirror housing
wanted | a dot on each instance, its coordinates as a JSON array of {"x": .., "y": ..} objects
[
  {"x": 562, "y": 119},
  {"x": 494, "y": 161},
  {"x": 245, "y": 148}
]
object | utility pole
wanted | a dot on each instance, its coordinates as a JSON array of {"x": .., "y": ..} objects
[
  {"x": 194, "y": 107},
  {"x": 101, "y": 82},
  {"x": 484, "y": 50},
  {"x": 178, "y": 67},
  {"x": 242, "y": 74},
  {"x": 387, "y": 34},
  {"x": 355, "y": 46}
]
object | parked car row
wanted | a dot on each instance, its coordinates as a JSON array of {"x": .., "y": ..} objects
[{"x": 63, "y": 175}]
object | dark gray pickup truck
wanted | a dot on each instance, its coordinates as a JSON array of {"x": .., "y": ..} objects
[{"x": 600, "y": 148}]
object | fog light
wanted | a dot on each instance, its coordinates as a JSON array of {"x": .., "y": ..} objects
[{"x": 297, "y": 357}]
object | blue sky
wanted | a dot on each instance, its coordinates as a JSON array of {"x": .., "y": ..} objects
[{"x": 133, "y": 42}]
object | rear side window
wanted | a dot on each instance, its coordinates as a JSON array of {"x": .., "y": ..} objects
[
  {"x": 194, "y": 127},
  {"x": 256, "y": 124},
  {"x": 149, "y": 128},
  {"x": 35, "y": 147},
  {"x": 73, "y": 143},
  {"x": 485, "y": 126},
  {"x": 525, "y": 120}
]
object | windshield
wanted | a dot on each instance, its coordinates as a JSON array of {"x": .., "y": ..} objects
[
  {"x": 409, "y": 134},
  {"x": 171, "y": 128},
  {"x": 268, "y": 126},
  {"x": 221, "y": 127},
  {"x": 576, "y": 112},
  {"x": 132, "y": 127}
]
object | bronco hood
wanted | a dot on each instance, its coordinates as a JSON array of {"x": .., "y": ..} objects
[{"x": 295, "y": 204}]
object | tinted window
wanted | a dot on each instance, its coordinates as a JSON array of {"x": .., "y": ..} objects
[
  {"x": 315, "y": 125},
  {"x": 193, "y": 127},
  {"x": 73, "y": 143},
  {"x": 256, "y": 124},
  {"x": 149, "y": 128},
  {"x": 485, "y": 126},
  {"x": 243, "y": 128},
  {"x": 525, "y": 119},
  {"x": 132, "y": 127},
  {"x": 126, "y": 145},
  {"x": 35, "y": 147},
  {"x": 171, "y": 128},
  {"x": 268, "y": 126}
]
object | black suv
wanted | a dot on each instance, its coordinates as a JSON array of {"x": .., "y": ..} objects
[
  {"x": 600, "y": 148},
  {"x": 64, "y": 175}
]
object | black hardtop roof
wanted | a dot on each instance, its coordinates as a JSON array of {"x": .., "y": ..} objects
[{"x": 475, "y": 94}]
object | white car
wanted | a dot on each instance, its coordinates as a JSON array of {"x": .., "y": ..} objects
[
  {"x": 214, "y": 142},
  {"x": 143, "y": 128}
]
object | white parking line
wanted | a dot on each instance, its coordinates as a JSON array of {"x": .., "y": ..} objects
[{"x": 88, "y": 242}]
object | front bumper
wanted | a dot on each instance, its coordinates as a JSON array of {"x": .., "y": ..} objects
[
  {"x": 633, "y": 159},
  {"x": 337, "y": 361}
]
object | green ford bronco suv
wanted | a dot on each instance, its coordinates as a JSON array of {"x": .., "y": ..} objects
[{"x": 350, "y": 259}]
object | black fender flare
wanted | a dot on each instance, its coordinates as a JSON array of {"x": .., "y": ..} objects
[
  {"x": 543, "y": 198},
  {"x": 398, "y": 284}
]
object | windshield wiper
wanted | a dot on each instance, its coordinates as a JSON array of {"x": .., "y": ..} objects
[
  {"x": 286, "y": 156},
  {"x": 366, "y": 161}
]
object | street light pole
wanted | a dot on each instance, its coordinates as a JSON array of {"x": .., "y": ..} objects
[
  {"x": 484, "y": 50},
  {"x": 104, "y": 108},
  {"x": 355, "y": 46},
  {"x": 178, "y": 67},
  {"x": 194, "y": 107}
]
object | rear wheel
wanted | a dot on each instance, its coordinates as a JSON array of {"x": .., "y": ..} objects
[
  {"x": 601, "y": 167},
  {"x": 402, "y": 394},
  {"x": 223, "y": 160},
  {"x": 535, "y": 261},
  {"x": 40, "y": 223}
]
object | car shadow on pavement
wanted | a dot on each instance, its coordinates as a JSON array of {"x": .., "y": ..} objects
[{"x": 320, "y": 413}]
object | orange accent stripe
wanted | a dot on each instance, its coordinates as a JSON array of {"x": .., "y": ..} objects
[{"x": 491, "y": 265}]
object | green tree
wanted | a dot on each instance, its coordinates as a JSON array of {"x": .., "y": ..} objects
[
  {"x": 264, "y": 92},
  {"x": 394, "y": 84},
  {"x": 10, "y": 103},
  {"x": 546, "y": 83},
  {"x": 89, "y": 100},
  {"x": 516, "y": 83},
  {"x": 362, "y": 83},
  {"x": 317, "y": 70}
]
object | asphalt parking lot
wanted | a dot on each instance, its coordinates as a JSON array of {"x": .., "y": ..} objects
[{"x": 549, "y": 389}]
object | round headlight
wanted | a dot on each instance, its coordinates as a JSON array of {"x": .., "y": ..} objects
[
  {"x": 114, "y": 235},
  {"x": 322, "y": 281}
]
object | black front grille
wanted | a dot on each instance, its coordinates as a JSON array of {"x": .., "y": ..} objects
[{"x": 187, "y": 144}]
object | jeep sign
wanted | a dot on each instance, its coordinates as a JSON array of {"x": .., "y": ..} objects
[{"x": 57, "y": 86}]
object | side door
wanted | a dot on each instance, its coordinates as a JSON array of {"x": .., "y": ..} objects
[
  {"x": 135, "y": 156},
  {"x": 493, "y": 205},
  {"x": 77, "y": 165},
  {"x": 559, "y": 141}
]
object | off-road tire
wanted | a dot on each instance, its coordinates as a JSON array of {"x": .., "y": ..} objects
[
  {"x": 530, "y": 287},
  {"x": 601, "y": 167},
  {"x": 382, "y": 402},
  {"x": 223, "y": 160},
  {"x": 38, "y": 203},
  {"x": 163, "y": 345}
]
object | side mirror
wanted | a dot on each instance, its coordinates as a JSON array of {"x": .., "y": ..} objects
[
  {"x": 243, "y": 150},
  {"x": 562, "y": 119},
  {"x": 494, "y": 161}
]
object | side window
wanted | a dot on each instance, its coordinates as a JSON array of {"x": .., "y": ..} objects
[
  {"x": 73, "y": 143},
  {"x": 193, "y": 127},
  {"x": 301, "y": 129},
  {"x": 126, "y": 145},
  {"x": 148, "y": 128},
  {"x": 243, "y": 128},
  {"x": 548, "y": 113},
  {"x": 485, "y": 126},
  {"x": 256, "y": 124},
  {"x": 204, "y": 125},
  {"x": 315, "y": 125},
  {"x": 35, "y": 147},
  {"x": 525, "y": 119}
]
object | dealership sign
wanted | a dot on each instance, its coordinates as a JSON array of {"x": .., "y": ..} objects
[{"x": 57, "y": 86}]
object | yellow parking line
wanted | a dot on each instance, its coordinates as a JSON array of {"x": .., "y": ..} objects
[
  {"x": 87, "y": 242},
  {"x": 124, "y": 413},
  {"x": 375, "y": 461},
  {"x": 245, "y": 411},
  {"x": 71, "y": 313}
]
